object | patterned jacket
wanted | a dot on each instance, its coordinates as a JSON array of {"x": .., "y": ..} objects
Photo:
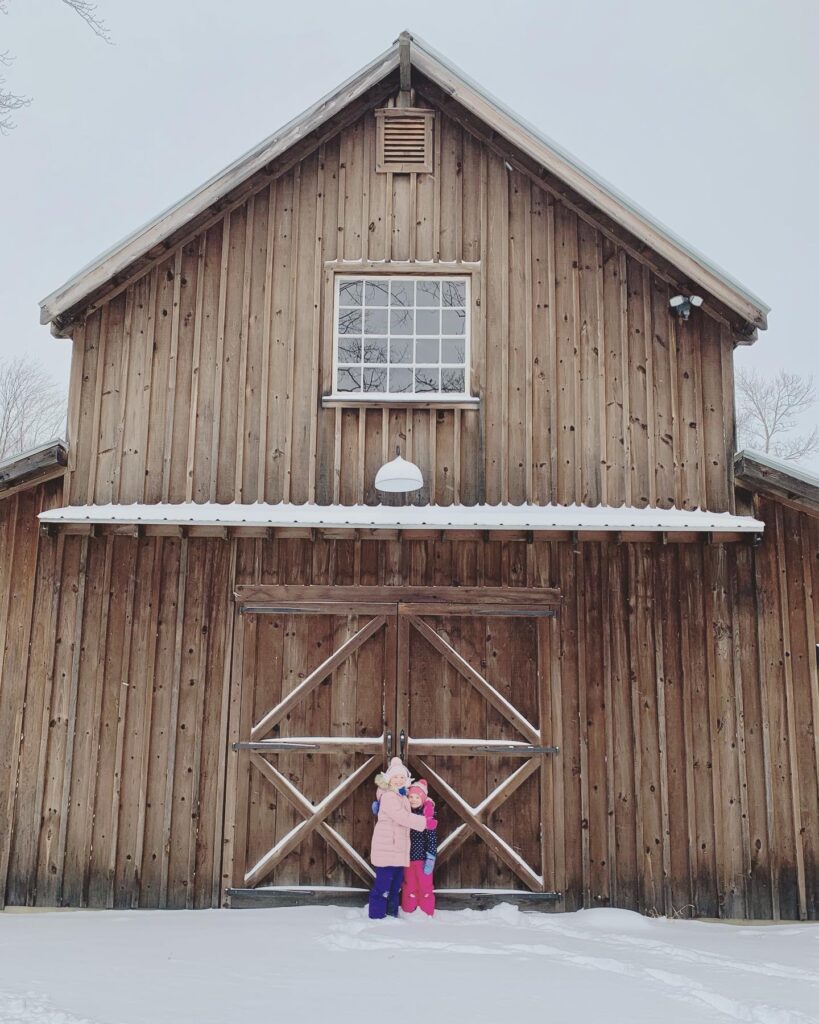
[{"x": 424, "y": 844}]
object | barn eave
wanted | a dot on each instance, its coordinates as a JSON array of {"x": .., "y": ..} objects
[
  {"x": 34, "y": 466},
  {"x": 774, "y": 478}
]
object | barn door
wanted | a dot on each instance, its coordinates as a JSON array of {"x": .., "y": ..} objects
[
  {"x": 317, "y": 681},
  {"x": 474, "y": 719}
]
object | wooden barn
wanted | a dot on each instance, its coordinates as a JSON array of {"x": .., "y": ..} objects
[{"x": 588, "y": 628}]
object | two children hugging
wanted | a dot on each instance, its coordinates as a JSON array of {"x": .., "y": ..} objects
[{"x": 405, "y": 843}]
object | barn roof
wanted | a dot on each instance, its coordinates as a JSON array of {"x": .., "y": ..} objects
[
  {"x": 34, "y": 466},
  {"x": 750, "y": 310},
  {"x": 777, "y": 479}
]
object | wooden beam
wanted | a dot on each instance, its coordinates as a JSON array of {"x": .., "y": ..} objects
[
  {"x": 482, "y": 685},
  {"x": 344, "y": 850},
  {"x": 266, "y": 723},
  {"x": 492, "y": 839},
  {"x": 320, "y": 811},
  {"x": 346, "y": 595}
]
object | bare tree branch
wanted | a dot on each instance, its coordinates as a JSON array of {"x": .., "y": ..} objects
[
  {"x": 88, "y": 13},
  {"x": 769, "y": 410},
  {"x": 32, "y": 407},
  {"x": 11, "y": 101}
]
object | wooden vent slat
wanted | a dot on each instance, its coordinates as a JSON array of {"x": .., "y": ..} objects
[{"x": 404, "y": 140}]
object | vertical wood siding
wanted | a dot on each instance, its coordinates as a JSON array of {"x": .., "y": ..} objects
[
  {"x": 202, "y": 380},
  {"x": 683, "y": 694}
]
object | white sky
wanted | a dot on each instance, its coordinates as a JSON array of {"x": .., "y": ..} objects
[{"x": 702, "y": 112}]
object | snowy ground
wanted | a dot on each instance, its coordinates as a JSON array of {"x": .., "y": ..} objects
[{"x": 332, "y": 966}]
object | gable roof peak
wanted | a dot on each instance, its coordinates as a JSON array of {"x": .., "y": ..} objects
[{"x": 409, "y": 52}]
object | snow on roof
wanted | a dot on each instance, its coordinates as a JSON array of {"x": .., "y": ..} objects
[
  {"x": 475, "y": 99},
  {"x": 410, "y": 517},
  {"x": 56, "y": 444},
  {"x": 779, "y": 465}
]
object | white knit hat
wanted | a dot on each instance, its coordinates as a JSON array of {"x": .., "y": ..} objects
[{"x": 397, "y": 767}]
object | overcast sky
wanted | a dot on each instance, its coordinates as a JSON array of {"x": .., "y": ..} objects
[{"x": 704, "y": 112}]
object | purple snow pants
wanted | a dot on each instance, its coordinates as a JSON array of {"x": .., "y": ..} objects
[{"x": 384, "y": 893}]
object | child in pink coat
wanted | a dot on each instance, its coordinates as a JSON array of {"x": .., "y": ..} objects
[
  {"x": 418, "y": 889},
  {"x": 390, "y": 852}
]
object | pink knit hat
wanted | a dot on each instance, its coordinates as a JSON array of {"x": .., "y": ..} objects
[{"x": 421, "y": 788}]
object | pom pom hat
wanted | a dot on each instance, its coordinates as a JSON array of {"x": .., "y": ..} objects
[
  {"x": 397, "y": 769},
  {"x": 421, "y": 788}
]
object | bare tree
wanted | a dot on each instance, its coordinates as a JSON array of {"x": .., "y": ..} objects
[
  {"x": 769, "y": 410},
  {"x": 11, "y": 101},
  {"x": 32, "y": 407}
]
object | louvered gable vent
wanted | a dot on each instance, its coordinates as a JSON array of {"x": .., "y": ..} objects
[{"x": 404, "y": 140}]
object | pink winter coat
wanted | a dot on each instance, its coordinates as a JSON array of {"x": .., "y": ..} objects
[{"x": 391, "y": 837}]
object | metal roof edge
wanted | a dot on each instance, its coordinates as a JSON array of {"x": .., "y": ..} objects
[{"x": 504, "y": 516}]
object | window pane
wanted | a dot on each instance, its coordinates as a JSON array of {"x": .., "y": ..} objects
[
  {"x": 376, "y": 292},
  {"x": 349, "y": 321},
  {"x": 401, "y": 321},
  {"x": 452, "y": 381},
  {"x": 349, "y": 378},
  {"x": 400, "y": 350},
  {"x": 349, "y": 350},
  {"x": 428, "y": 321},
  {"x": 349, "y": 293},
  {"x": 426, "y": 350},
  {"x": 402, "y": 293},
  {"x": 426, "y": 378},
  {"x": 375, "y": 350},
  {"x": 453, "y": 351},
  {"x": 453, "y": 293},
  {"x": 427, "y": 293},
  {"x": 453, "y": 321},
  {"x": 400, "y": 380},
  {"x": 375, "y": 321},
  {"x": 401, "y": 335},
  {"x": 375, "y": 380}
]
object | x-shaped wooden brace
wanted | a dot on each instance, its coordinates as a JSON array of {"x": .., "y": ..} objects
[
  {"x": 481, "y": 684},
  {"x": 298, "y": 693},
  {"x": 314, "y": 820},
  {"x": 472, "y": 819}
]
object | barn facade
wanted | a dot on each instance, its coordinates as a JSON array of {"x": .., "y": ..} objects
[{"x": 594, "y": 637}]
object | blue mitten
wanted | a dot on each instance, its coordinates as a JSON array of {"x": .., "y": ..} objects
[
  {"x": 429, "y": 864},
  {"x": 376, "y": 806},
  {"x": 402, "y": 791}
]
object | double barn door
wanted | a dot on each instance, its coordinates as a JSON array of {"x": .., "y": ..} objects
[{"x": 458, "y": 682}]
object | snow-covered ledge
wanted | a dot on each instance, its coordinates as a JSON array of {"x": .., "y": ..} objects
[{"x": 448, "y": 518}]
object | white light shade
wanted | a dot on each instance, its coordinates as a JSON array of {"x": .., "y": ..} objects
[{"x": 399, "y": 476}]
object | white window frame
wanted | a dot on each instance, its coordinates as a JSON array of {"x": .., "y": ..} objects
[{"x": 414, "y": 397}]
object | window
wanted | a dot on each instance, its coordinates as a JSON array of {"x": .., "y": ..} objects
[{"x": 402, "y": 337}]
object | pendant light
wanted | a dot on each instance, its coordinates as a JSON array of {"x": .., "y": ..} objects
[{"x": 399, "y": 476}]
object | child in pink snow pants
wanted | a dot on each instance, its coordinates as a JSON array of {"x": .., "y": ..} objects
[
  {"x": 390, "y": 852},
  {"x": 418, "y": 889}
]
